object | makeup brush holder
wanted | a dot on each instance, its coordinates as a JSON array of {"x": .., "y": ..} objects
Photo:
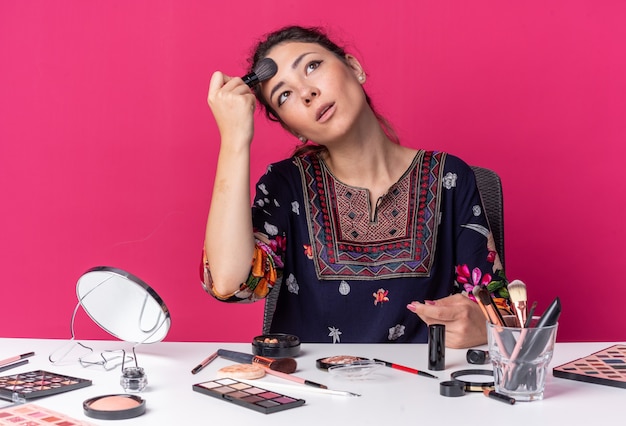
[
  {"x": 520, "y": 359},
  {"x": 133, "y": 379}
]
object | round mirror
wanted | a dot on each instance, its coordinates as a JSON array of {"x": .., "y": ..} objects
[{"x": 123, "y": 305}]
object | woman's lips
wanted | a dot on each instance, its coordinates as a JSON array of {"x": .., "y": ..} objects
[{"x": 325, "y": 112}]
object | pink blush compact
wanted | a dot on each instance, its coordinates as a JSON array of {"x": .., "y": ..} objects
[{"x": 114, "y": 407}]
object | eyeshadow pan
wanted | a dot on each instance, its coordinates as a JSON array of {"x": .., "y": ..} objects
[
  {"x": 245, "y": 395},
  {"x": 38, "y": 383},
  {"x": 210, "y": 385},
  {"x": 240, "y": 386},
  {"x": 238, "y": 394},
  {"x": 254, "y": 391},
  {"x": 223, "y": 389}
]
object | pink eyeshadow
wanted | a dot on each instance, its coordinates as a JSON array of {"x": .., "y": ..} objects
[
  {"x": 252, "y": 399},
  {"x": 269, "y": 395}
]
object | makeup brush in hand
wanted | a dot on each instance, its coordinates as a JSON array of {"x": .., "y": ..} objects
[
  {"x": 519, "y": 300},
  {"x": 264, "y": 70}
]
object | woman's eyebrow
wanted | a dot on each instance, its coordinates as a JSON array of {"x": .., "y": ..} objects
[
  {"x": 299, "y": 59},
  {"x": 294, "y": 65}
]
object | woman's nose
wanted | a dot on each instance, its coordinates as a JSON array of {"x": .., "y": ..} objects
[{"x": 309, "y": 94}]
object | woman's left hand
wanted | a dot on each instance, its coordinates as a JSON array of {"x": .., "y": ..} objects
[{"x": 462, "y": 317}]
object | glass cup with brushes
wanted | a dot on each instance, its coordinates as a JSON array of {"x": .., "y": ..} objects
[{"x": 521, "y": 347}]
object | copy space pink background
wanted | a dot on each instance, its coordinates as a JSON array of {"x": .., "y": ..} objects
[{"x": 108, "y": 150}]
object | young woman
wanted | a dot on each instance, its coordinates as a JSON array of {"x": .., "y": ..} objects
[{"x": 370, "y": 240}]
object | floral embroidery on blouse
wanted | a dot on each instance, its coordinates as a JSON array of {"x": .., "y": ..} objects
[{"x": 381, "y": 296}]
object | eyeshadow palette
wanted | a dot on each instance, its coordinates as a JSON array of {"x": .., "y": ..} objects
[
  {"x": 605, "y": 367},
  {"x": 33, "y": 415},
  {"x": 249, "y": 396},
  {"x": 35, "y": 384}
]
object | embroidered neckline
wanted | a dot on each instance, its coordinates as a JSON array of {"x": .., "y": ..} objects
[{"x": 343, "y": 240}]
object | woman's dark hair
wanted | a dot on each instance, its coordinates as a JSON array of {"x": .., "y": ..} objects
[{"x": 304, "y": 35}]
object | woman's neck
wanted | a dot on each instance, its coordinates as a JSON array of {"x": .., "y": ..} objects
[{"x": 372, "y": 164}]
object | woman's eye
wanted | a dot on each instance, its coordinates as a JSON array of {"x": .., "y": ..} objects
[
  {"x": 312, "y": 66},
  {"x": 282, "y": 98}
]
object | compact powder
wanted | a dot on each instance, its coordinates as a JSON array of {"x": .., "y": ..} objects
[
  {"x": 113, "y": 403},
  {"x": 277, "y": 345},
  {"x": 114, "y": 407}
]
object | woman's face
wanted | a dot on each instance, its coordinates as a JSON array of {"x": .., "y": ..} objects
[{"x": 315, "y": 93}]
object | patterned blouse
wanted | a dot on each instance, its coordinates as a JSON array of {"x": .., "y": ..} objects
[{"x": 346, "y": 273}]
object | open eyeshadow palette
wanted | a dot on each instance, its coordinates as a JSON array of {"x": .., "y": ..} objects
[
  {"x": 35, "y": 384},
  {"x": 33, "y": 415},
  {"x": 248, "y": 396},
  {"x": 605, "y": 367}
]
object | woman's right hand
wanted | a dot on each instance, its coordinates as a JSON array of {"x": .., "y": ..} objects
[{"x": 232, "y": 103}]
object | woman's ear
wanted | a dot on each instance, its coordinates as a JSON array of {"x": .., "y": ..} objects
[{"x": 356, "y": 68}]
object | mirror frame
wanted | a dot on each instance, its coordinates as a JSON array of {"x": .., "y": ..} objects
[{"x": 155, "y": 336}]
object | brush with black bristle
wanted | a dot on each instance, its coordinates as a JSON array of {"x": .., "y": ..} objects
[
  {"x": 265, "y": 69},
  {"x": 519, "y": 300},
  {"x": 484, "y": 298}
]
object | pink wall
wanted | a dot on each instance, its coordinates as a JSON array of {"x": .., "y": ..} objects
[{"x": 107, "y": 147}]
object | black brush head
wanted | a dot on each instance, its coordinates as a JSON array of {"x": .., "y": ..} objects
[{"x": 265, "y": 69}]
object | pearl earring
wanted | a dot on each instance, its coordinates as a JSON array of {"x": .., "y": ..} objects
[
  {"x": 361, "y": 78},
  {"x": 302, "y": 139}
]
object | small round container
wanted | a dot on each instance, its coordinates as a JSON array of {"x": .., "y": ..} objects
[
  {"x": 336, "y": 360},
  {"x": 114, "y": 407},
  {"x": 276, "y": 345},
  {"x": 134, "y": 379}
]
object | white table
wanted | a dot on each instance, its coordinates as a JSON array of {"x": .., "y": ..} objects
[{"x": 390, "y": 397}]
